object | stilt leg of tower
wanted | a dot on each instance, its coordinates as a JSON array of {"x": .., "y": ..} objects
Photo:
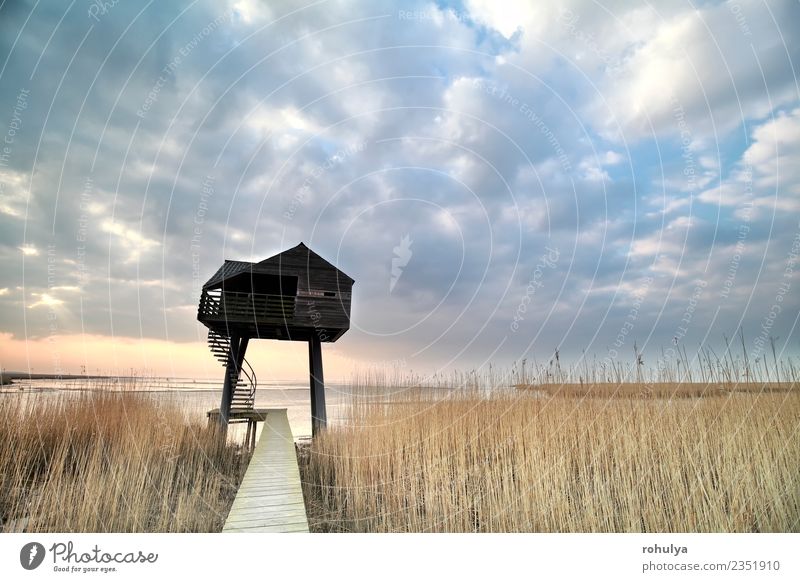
[
  {"x": 232, "y": 373},
  {"x": 318, "y": 413}
]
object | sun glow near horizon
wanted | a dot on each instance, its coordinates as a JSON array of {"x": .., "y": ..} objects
[{"x": 274, "y": 361}]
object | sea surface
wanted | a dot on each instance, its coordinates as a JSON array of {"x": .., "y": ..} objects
[{"x": 197, "y": 397}]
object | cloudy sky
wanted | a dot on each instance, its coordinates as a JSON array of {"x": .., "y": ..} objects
[{"x": 582, "y": 176}]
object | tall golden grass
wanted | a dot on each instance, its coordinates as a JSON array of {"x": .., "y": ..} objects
[
  {"x": 524, "y": 461},
  {"x": 733, "y": 369},
  {"x": 657, "y": 389},
  {"x": 111, "y": 462}
]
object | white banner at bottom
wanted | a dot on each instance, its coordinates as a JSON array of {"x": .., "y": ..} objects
[{"x": 444, "y": 557}]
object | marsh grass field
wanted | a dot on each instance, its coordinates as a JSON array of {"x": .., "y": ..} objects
[
  {"x": 111, "y": 462},
  {"x": 630, "y": 457},
  {"x": 521, "y": 450}
]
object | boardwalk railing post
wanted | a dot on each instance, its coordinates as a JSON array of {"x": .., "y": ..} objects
[{"x": 318, "y": 413}]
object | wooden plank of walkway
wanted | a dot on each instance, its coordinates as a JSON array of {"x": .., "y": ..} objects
[{"x": 270, "y": 498}]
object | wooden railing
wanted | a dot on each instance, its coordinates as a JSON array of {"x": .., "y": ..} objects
[{"x": 237, "y": 306}]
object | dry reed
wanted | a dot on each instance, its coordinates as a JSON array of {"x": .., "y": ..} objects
[
  {"x": 111, "y": 462},
  {"x": 657, "y": 389},
  {"x": 520, "y": 461}
]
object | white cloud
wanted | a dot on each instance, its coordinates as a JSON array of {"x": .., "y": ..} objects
[
  {"x": 96, "y": 208},
  {"x": 699, "y": 61},
  {"x": 592, "y": 169},
  {"x": 669, "y": 251},
  {"x": 129, "y": 238},
  {"x": 44, "y": 300},
  {"x": 504, "y": 17},
  {"x": 666, "y": 204},
  {"x": 250, "y": 11},
  {"x": 13, "y": 192},
  {"x": 768, "y": 174},
  {"x": 774, "y": 155}
]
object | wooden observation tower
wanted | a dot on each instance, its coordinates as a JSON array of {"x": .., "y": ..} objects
[{"x": 295, "y": 296}]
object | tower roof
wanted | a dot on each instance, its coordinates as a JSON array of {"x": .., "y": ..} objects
[{"x": 292, "y": 259}]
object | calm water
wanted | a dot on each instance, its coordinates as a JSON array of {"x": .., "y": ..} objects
[{"x": 196, "y": 397}]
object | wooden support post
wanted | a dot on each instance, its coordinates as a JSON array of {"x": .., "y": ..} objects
[
  {"x": 232, "y": 372},
  {"x": 319, "y": 417}
]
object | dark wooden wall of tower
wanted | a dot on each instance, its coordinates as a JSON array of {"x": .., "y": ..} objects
[
  {"x": 323, "y": 292},
  {"x": 321, "y": 303}
]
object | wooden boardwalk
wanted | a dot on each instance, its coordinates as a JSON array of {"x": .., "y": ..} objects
[{"x": 270, "y": 498}]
